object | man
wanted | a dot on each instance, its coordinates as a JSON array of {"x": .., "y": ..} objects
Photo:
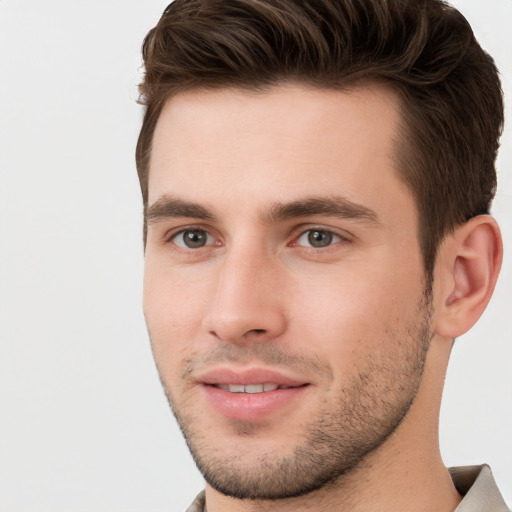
[{"x": 317, "y": 178}]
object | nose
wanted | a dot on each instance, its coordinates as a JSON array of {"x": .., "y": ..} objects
[{"x": 246, "y": 304}]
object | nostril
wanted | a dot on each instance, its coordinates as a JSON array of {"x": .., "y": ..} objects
[{"x": 244, "y": 324}]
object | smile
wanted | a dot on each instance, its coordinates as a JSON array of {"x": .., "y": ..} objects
[{"x": 251, "y": 388}]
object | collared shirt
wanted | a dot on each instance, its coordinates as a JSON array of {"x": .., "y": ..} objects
[
  {"x": 479, "y": 489},
  {"x": 475, "y": 483}
]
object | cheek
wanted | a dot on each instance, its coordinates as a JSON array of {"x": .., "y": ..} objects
[
  {"x": 174, "y": 308},
  {"x": 351, "y": 315}
]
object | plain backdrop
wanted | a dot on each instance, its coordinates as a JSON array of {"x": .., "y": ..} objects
[{"x": 84, "y": 425}]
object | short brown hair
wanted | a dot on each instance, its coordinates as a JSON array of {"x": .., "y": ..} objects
[{"x": 452, "y": 107}]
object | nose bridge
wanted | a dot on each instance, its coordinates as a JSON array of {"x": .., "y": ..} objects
[{"x": 245, "y": 303}]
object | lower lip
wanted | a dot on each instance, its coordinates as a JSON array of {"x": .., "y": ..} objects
[{"x": 251, "y": 406}]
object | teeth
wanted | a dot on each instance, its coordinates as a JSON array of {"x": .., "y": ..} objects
[
  {"x": 236, "y": 388},
  {"x": 254, "y": 388},
  {"x": 250, "y": 388}
]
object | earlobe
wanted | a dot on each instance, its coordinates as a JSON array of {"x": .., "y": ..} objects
[{"x": 470, "y": 261}]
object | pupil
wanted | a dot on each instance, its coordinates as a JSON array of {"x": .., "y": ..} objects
[
  {"x": 320, "y": 238},
  {"x": 194, "y": 239}
]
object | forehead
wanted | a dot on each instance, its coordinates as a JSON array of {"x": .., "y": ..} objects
[{"x": 290, "y": 140}]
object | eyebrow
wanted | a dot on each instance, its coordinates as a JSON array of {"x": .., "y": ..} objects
[
  {"x": 333, "y": 206},
  {"x": 169, "y": 207}
]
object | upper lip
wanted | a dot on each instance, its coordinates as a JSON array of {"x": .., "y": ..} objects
[{"x": 247, "y": 376}]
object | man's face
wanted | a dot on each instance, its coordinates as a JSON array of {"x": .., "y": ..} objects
[{"x": 284, "y": 288}]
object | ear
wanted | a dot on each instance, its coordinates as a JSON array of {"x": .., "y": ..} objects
[{"x": 468, "y": 264}]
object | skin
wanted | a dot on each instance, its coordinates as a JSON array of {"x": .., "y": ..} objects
[{"x": 351, "y": 320}]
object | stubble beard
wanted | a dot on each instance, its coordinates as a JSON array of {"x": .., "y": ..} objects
[{"x": 336, "y": 442}]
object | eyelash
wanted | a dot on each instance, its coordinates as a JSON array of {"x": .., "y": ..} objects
[
  {"x": 335, "y": 238},
  {"x": 174, "y": 236}
]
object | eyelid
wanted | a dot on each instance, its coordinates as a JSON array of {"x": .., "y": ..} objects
[
  {"x": 170, "y": 235},
  {"x": 179, "y": 239},
  {"x": 299, "y": 231},
  {"x": 342, "y": 235}
]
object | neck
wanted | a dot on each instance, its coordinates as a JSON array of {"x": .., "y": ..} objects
[{"x": 404, "y": 474}]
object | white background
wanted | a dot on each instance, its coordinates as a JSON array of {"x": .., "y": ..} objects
[{"x": 84, "y": 425}]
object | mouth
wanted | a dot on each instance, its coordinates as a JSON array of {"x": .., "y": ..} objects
[
  {"x": 251, "y": 395},
  {"x": 253, "y": 388}
]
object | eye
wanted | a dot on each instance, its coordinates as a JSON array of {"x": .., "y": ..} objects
[
  {"x": 193, "y": 239},
  {"x": 318, "y": 238}
]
